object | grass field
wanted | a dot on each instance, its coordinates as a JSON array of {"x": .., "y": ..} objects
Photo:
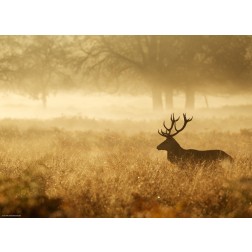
[{"x": 55, "y": 169}]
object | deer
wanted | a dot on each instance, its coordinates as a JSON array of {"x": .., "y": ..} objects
[{"x": 179, "y": 156}]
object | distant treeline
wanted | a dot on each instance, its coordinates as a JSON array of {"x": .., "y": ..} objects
[{"x": 160, "y": 66}]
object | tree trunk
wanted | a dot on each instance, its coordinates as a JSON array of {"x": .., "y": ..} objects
[
  {"x": 190, "y": 98},
  {"x": 157, "y": 99},
  {"x": 206, "y": 101},
  {"x": 44, "y": 100},
  {"x": 169, "y": 99}
]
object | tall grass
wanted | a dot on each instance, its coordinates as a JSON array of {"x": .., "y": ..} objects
[{"x": 52, "y": 172}]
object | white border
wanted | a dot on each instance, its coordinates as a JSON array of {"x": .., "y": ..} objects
[
  {"x": 126, "y": 235},
  {"x": 125, "y": 17}
]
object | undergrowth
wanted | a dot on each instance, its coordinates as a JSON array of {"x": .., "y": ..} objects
[{"x": 52, "y": 172}]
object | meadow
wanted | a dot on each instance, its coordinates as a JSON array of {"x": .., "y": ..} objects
[{"x": 75, "y": 167}]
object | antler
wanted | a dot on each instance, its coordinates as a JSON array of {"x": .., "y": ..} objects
[
  {"x": 168, "y": 130},
  {"x": 173, "y": 123}
]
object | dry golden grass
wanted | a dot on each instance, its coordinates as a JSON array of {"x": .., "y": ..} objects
[{"x": 51, "y": 172}]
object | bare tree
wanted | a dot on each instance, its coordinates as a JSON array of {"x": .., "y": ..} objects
[
  {"x": 43, "y": 70},
  {"x": 139, "y": 60},
  {"x": 157, "y": 65},
  {"x": 33, "y": 65}
]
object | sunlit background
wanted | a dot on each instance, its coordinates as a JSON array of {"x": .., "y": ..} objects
[
  {"x": 124, "y": 77},
  {"x": 115, "y": 107}
]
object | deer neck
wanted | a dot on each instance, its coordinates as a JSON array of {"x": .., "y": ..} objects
[
  {"x": 174, "y": 146},
  {"x": 174, "y": 152}
]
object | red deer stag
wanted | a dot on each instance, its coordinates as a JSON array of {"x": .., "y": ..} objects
[{"x": 177, "y": 155}]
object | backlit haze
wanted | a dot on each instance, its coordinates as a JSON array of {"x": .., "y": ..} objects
[
  {"x": 114, "y": 107},
  {"x": 134, "y": 78}
]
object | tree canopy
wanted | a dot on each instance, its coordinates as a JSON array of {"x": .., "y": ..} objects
[{"x": 155, "y": 65}]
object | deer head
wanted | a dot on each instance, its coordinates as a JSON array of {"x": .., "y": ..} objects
[{"x": 170, "y": 144}]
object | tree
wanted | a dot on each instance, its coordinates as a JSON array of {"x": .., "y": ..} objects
[
  {"x": 213, "y": 65},
  {"x": 193, "y": 62},
  {"x": 34, "y": 65},
  {"x": 43, "y": 70},
  {"x": 114, "y": 60},
  {"x": 10, "y": 59},
  {"x": 158, "y": 65},
  {"x": 231, "y": 64}
]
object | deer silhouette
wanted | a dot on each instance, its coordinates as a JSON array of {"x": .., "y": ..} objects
[{"x": 177, "y": 155}]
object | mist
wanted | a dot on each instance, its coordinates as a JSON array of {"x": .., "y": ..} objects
[
  {"x": 125, "y": 77},
  {"x": 116, "y": 107}
]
